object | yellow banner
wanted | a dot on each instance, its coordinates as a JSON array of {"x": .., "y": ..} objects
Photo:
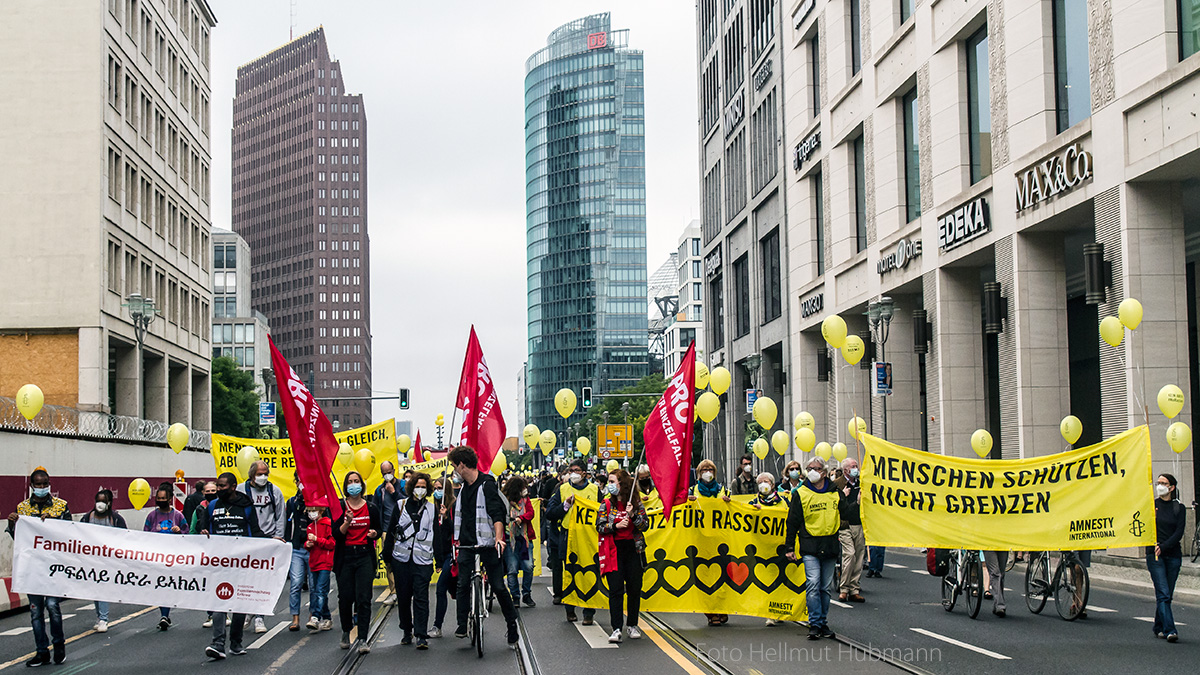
[
  {"x": 1096, "y": 497},
  {"x": 710, "y": 556}
]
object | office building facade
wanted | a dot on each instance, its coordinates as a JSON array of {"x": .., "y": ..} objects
[
  {"x": 238, "y": 331},
  {"x": 688, "y": 323}
]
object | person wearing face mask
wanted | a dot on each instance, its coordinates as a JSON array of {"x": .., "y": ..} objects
[
  {"x": 791, "y": 479},
  {"x": 767, "y": 496},
  {"x": 411, "y": 558},
  {"x": 443, "y": 551},
  {"x": 229, "y": 514},
  {"x": 354, "y": 559},
  {"x": 621, "y": 520},
  {"x": 387, "y": 495},
  {"x": 576, "y": 485},
  {"x": 647, "y": 493},
  {"x": 167, "y": 519},
  {"x": 193, "y": 500},
  {"x": 1164, "y": 559},
  {"x": 518, "y": 556},
  {"x": 320, "y": 544},
  {"x": 813, "y": 519},
  {"x": 296, "y": 532},
  {"x": 42, "y": 504},
  {"x": 208, "y": 493},
  {"x": 104, "y": 516},
  {"x": 271, "y": 510},
  {"x": 404, "y": 482},
  {"x": 708, "y": 486},
  {"x": 850, "y": 533},
  {"x": 744, "y": 483}
]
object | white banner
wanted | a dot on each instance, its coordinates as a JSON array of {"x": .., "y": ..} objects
[{"x": 90, "y": 562}]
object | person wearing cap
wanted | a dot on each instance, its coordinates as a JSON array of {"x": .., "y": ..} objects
[
  {"x": 646, "y": 490},
  {"x": 576, "y": 485}
]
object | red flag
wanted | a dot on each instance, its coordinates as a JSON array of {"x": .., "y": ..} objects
[
  {"x": 668, "y": 434},
  {"x": 419, "y": 455},
  {"x": 483, "y": 424},
  {"x": 313, "y": 445}
]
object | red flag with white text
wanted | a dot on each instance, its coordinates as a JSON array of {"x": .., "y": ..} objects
[
  {"x": 483, "y": 425},
  {"x": 313, "y": 445},
  {"x": 668, "y": 434}
]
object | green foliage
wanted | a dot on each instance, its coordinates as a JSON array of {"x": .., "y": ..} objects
[{"x": 234, "y": 400}]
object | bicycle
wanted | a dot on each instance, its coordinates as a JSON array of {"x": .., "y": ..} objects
[
  {"x": 965, "y": 577},
  {"x": 479, "y": 605},
  {"x": 1070, "y": 585}
]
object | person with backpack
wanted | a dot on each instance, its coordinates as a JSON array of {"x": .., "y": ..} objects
[
  {"x": 167, "y": 519},
  {"x": 411, "y": 531},
  {"x": 270, "y": 508},
  {"x": 621, "y": 521},
  {"x": 104, "y": 516},
  {"x": 518, "y": 557},
  {"x": 230, "y": 514},
  {"x": 576, "y": 486},
  {"x": 298, "y": 571}
]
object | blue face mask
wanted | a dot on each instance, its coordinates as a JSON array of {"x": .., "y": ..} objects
[
  {"x": 437, "y": 494},
  {"x": 402, "y": 484},
  {"x": 612, "y": 489},
  {"x": 794, "y": 474},
  {"x": 354, "y": 489},
  {"x": 41, "y": 492}
]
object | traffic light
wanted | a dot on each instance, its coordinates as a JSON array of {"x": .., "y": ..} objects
[
  {"x": 587, "y": 397},
  {"x": 404, "y": 399}
]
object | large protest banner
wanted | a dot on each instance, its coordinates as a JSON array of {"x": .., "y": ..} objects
[
  {"x": 709, "y": 556},
  {"x": 1096, "y": 497},
  {"x": 379, "y": 438},
  {"x": 90, "y": 562}
]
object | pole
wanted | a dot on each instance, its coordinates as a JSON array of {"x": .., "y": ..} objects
[{"x": 883, "y": 403}]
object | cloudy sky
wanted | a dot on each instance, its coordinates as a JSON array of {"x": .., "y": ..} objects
[{"x": 443, "y": 84}]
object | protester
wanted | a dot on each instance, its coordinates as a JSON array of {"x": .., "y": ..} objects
[
  {"x": 646, "y": 490},
  {"x": 996, "y": 562},
  {"x": 791, "y": 478},
  {"x": 354, "y": 559},
  {"x": 43, "y": 505},
  {"x": 167, "y": 519},
  {"x": 1164, "y": 559},
  {"x": 193, "y": 500},
  {"x": 560, "y": 503},
  {"x": 479, "y": 520},
  {"x": 744, "y": 483},
  {"x": 209, "y": 493},
  {"x": 408, "y": 473},
  {"x": 766, "y": 495},
  {"x": 813, "y": 516},
  {"x": 411, "y": 529},
  {"x": 271, "y": 510},
  {"x": 443, "y": 551},
  {"x": 518, "y": 555},
  {"x": 386, "y": 496},
  {"x": 230, "y": 514},
  {"x": 850, "y": 534},
  {"x": 296, "y": 531},
  {"x": 104, "y": 516},
  {"x": 621, "y": 520},
  {"x": 708, "y": 486}
]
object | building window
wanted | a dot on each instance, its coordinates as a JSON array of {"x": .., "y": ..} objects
[
  {"x": 912, "y": 158},
  {"x": 856, "y": 37},
  {"x": 735, "y": 175},
  {"x": 818, "y": 197},
  {"x": 906, "y": 9},
  {"x": 979, "y": 106},
  {"x": 772, "y": 277},
  {"x": 741, "y": 296},
  {"x": 762, "y": 26},
  {"x": 712, "y": 203},
  {"x": 814, "y": 58},
  {"x": 1072, "y": 86},
  {"x": 716, "y": 295},
  {"x": 860, "y": 195},
  {"x": 1189, "y": 28}
]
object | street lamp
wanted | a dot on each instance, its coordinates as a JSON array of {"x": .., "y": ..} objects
[
  {"x": 625, "y": 409},
  {"x": 879, "y": 316},
  {"x": 142, "y": 311}
]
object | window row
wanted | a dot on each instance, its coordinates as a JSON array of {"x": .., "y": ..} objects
[
  {"x": 132, "y": 188},
  {"x": 129, "y": 273}
]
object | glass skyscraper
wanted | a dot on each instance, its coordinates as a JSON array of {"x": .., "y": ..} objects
[{"x": 585, "y": 174}]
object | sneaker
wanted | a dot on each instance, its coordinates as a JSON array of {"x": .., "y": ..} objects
[
  {"x": 60, "y": 653},
  {"x": 38, "y": 660},
  {"x": 391, "y": 601},
  {"x": 207, "y": 623},
  {"x": 213, "y": 653},
  {"x": 528, "y": 600},
  {"x": 634, "y": 633},
  {"x": 587, "y": 620},
  {"x": 435, "y": 632},
  {"x": 407, "y": 639},
  {"x": 312, "y": 624},
  {"x": 572, "y": 617},
  {"x": 164, "y": 623},
  {"x": 514, "y": 635},
  {"x": 345, "y": 643},
  {"x": 772, "y": 622},
  {"x": 101, "y": 627},
  {"x": 422, "y": 643},
  {"x": 237, "y": 650},
  {"x": 615, "y": 638},
  {"x": 1160, "y": 635},
  {"x": 814, "y": 633},
  {"x": 460, "y": 632},
  {"x": 326, "y": 624},
  {"x": 999, "y": 612},
  {"x": 259, "y": 626},
  {"x": 1173, "y": 637},
  {"x": 363, "y": 648},
  {"x": 826, "y": 633}
]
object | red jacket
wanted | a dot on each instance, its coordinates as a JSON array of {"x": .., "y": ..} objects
[
  {"x": 320, "y": 552},
  {"x": 525, "y": 520}
]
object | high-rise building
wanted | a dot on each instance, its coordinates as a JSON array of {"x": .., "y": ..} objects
[
  {"x": 300, "y": 200},
  {"x": 663, "y": 302},
  {"x": 586, "y": 215},
  {"x": 238, "y": 331},
  {"x": 688, "y": 323},
  {"x": 105, "y": 188}
]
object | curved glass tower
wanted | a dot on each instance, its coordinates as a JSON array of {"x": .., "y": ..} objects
[{"x": 585, "y": 216}]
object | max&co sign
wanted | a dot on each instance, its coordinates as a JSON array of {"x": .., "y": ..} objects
[
  {"x": 1053, "y": 176},
  {"x": 899, "y": 257},
  {"x": 963, "y": 224}
]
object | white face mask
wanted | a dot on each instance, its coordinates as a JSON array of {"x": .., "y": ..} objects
[
  {"x": 764, "y": 488},
  {"x": 524, "y": 493},
  {"x": 101, "y": 507},
  {"x": 387, "y": 477},
  {"x": 813, "y": 475},
  {"x": 747, "y": 469},
  {"x": 419, "y": 493},
  {"x": 1161, "y": 489},
  {"x": 313, "y": 515},
  {"x": 577, "y": 478},
  {"x": 261, "y": 479},
  {"x": 707, "y": 476}
]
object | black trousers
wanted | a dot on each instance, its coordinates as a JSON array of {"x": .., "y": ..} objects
[
  {"x": 412, "y": 596},
  {"x": 625, "y": 584},
  {"x": 556, "y": 567},
  {"x": 490, "y": 560},
  {"x": 355, "y": 581}
]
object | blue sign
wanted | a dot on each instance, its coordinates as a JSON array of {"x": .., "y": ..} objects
[
  {"x": 266, "y": 413},
  {"x": 751, "y": 397},
  {"x": 882, "y": 385}
]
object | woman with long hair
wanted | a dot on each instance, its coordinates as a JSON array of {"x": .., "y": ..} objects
[
  {"x": 354, "y": 562},
  {"x": 518, "y": 555},
  {"x": 621, "y": 520},
  {"x": 1164, "y": 559},
  {"x": 443, "y": 551}
]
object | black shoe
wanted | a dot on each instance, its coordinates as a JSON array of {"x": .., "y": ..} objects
[
  {"x": 214, "y": 653},
  {"x": 38, "y": 660},
  {"x": 60, "y": 653},
  {"x": 528, "y": 600},
  {"x": 826, "y": 633},
  {"x": 513, "y": 634},
  {"x": 557, "y": 601},
  {"x": 460, "y": 632},
  {"x": 572, "y": 617},
  {"x": 814, "y": 633},
  {"x": 407, "y": 639},
  {"x": 987, "y": 595},
  {"x": 1173, "y": 637},
  {"x": 237, "y": 650},
  {"x": 164, "y": 623},
  {"x": 1000, "y": 613},
  {"x": 422, "y": 643}
]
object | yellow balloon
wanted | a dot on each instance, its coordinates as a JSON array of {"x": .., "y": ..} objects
[
  {"x": 702, "y": 375},
  {"x": 364, "y": 462},
  {"x": 853, "y": 349},
  {"x": 177, "y": 436},
  {"x": 564, "y": 402},
  {"x": 708, "y": 406},
  {"x": 583, "y": 445},
  {"x": 824, "y": 451},
  {"x": 345, "y": 455},
  {"x": 403, "y": 443},
  {"x": 780, "y": 441},
  {"x": 1071, "y": 429},
  {"x": 1130, "y": 313},
  {"x": 247, "y": 456},
  {"x": 548, "y": 440},
  {"x": 839, "y": 451},
  {"x": 857, "y": 426},
  {"x": 981, "y": 442},
  {"x": 1112, "y": 331},
  {"x": 531, "y": 434},
  {"x": 500, "y": 463},
  {"x": 139, "y": 493},
  {"x": 719, "y": 379},
  {"x": 545, "y": 451},
  {"x": 765, "y": 412},
  {"x": 1170, "y": 401},
  {"x": 805, "y": 420},
  {"x": 760, "y": 448},
  {"x": 1179, "y": 436},
  {"x": 833, "y": 329},
  {"x": 805, "y": 439},
  {"x": 612, "y": 465},
  {"x": 30, "y": 401}
]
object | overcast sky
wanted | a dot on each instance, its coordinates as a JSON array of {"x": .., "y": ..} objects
[{"x": 443, "y": 85}]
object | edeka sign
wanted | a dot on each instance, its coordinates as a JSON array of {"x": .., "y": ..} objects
[
  {"x": 709, "y": 556},
  {"x": 899, "y": 257},
  {"x": 963, "y": 224},
  {"x": 805, "y": 149},
  {"x": 812, "y": 305},
  {"x": 734, "y": 113},
  {"x": 1053, "y": 176},
  {"x": 1096, "y": 497}
]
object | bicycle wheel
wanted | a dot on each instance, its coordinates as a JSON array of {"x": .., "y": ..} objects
[
  {"x": 950, "y": 590},
  {"x": 477, "y": 619},
  {"x": 1011, "y": 561},
  {"x": 1071, "y": 589},
  {"x": 1037, "y": 583},
  {"x": 1196, "y": 543},
  {"x": 974, "y": 587}
]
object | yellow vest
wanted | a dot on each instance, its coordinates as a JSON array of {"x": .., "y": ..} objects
[
  {"x": 650, "y": 500},
  {"x": 590, "y": 491},
  {"x": 821, "y": 517}
]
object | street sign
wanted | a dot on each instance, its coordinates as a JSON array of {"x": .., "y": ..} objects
[
  {"x": 617, "y": 439},
  {"x": 604, "y": 453},
  {"x": 266, "y": 413},
  {"x": 751, "y": 397},
  {"x": 882, "y": 384}
]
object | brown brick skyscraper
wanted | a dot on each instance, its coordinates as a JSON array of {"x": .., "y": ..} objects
[{"x": 300, "y": 201}]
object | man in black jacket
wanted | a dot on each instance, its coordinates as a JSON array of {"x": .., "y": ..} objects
[
  {"x": 193, "y": 500},
  {"x": 814, "y": 516},
  {"x": 744, "y": 483},
  {"x": 231, "y": 514}
]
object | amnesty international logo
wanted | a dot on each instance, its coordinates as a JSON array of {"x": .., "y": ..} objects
[{"x": 1138, "y": 527}]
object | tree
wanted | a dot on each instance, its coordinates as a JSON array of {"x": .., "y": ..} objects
[{"x": 234, "y": 400}]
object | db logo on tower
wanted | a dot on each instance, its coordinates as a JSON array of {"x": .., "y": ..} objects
[{"x": 225, "y": 591}]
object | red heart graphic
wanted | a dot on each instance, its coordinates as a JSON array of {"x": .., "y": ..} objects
[{"x": 738, "y": 572}]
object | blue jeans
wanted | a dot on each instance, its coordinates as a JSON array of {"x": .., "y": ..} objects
[
  {"x": 875, "y": 558},
  {"x": 818, "y": 585},
  {"x": 165, "y": 612},
  {"x": 37, "y": 606},
  {"x": 1163, "y": 572},
  {"x": 513, "y": 564},
  {"x": 318, "y": 596},
  {"x": 296, "y": 574},
  {"x": 101, "y": 611}
]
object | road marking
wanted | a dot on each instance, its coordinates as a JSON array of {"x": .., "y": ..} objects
[
  {"x": 919, "y": 571},
  {"x": 76, "y": 668},
  {"x": 895, "y": 566},
  {"x": 270, "y": 634},
  {"x": 1150, "y": 619},
  {"x": 1093, "y": 608},
  {"x": 959, "y": 643},
  {"x": 688, "y": 667},
  {"x": 595, "y": 636},
  {"x": 17, "y": 631},
  {"x": 286, "y": 656},
  {"x": 73, "y": 638},
  {"x": 839, "y": 603},
  {"x": 86, "y": 608},
  {"x": 67, "y": 616}
]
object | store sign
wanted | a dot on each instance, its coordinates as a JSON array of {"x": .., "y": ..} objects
[
  {"x": 906, "y": 250},
  {"x": 963, "y": 224},
  {"x": 805, "y": 149},
  {"x": 734, "y": 113},
  {"x": 813, "y": 305},
  {"x": 803, "y": 11},
  {"x": 712, "y": 263},
  {"x": 763, "y": 74},
  {"x": 1053, "y": 176},
  {"x": 597, "y": 40}
]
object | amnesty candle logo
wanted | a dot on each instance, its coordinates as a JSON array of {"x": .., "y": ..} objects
[{"x": 1138, "y": 527}]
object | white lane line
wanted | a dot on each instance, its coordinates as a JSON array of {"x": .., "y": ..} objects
[
  {"x": 86, "y": 608},
  {"x": 839, "y": 603},
  {"x": 1093, "y": 608},
  {"x": 17, "y": 631},
  {"x": 1150, "y": 619},
  {"x": 595, "y": 636},
  {"x": 270, "y": 634},
  {"x": 919, "y": 571},
  {"x": 964, "y": 645},
  {"x": 895, "y": 566},
  {"x": 67, "y": 616}
]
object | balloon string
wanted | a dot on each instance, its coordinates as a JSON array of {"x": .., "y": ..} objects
[{"x": 1137, "y": 399}]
